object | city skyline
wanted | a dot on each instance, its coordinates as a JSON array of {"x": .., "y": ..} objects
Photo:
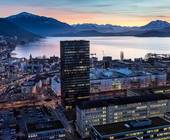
[
  {"x": 126, "y": 13},
  {"x": 63, "y": 79}
]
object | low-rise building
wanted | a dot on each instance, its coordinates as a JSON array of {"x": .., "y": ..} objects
[
  {"x": 50, "y": 130},
  {"x": 146, "y": 129},
  {"x": 56, "y": 85},
  {"x": 124, "y": 78},
  {"x": 119, "y": 109},
  {"x": 144, "y": 91},
  {"x": 29, "y": 87}
]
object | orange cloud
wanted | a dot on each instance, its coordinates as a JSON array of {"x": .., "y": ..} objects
[{"x": 74, "y": 17}]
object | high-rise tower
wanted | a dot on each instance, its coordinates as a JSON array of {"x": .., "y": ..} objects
[{"x": 75, "y": 71}]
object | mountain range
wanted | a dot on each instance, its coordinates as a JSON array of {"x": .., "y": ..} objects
[
  {"x": 9, "y": 29},
  {"x": 39, "y": 25},
  {"x": 29, "y": 27}
]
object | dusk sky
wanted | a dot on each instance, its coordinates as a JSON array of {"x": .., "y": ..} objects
[{"x": 116, "y": 12}]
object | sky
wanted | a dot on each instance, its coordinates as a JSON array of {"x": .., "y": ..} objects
[{"x": 116, "y": 12}]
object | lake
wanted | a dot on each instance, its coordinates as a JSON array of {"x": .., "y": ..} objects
[{"x": 133, "y": 47}]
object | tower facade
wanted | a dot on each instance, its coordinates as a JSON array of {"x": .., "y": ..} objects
[{"x": 75, "y": 71}]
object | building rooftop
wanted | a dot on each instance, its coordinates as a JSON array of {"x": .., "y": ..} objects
[
  {"x": 37, "y": 114},
  {"x": 96, "y": 74},
  {"x": 131, "y": 138},
  {"x": 28, "y": 83},
  {"x": 126, "y": 127},
  {"x": 141, "y": 92},
  {"x": 100, "y": 73},
  {"x": 74, "y": 43},
  {"x": 155, "y": 90},
  {"x": 122, "y": 100},
  {"x": 44, "y": 126},
  {"x": 125, "y": 71}
]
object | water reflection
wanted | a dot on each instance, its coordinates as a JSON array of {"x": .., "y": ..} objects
[{"x": 133, "y": 47}]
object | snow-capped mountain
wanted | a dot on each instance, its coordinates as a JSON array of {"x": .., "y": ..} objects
[
  {"x": 158, "y": 24},
  {"x": 45, "y": 26}
]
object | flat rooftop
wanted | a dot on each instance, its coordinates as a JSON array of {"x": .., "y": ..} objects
[
  {"x": 156, "y": 90},
  {"x": 29, "y": 83},
  {"x": 131, "y": 138},
  {"x": 36, "y": 114},
  {"x": 125, "y": 127},
  {"x": 44, "y": 126},
  {"x": 97, "y": 74},
  {"x": 122, "y": 100},
  {"x": 110, "y": 73}
]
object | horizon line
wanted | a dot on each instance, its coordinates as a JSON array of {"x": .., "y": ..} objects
[{"x": 83, "y": 22}]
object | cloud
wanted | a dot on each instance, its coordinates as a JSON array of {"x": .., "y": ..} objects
[{"x": 95, "y": 11}]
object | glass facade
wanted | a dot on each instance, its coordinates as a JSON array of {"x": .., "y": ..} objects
[{"x": 75, "y": 71}]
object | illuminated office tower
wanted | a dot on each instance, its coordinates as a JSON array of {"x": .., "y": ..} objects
[{"x": 75, "y": 71}]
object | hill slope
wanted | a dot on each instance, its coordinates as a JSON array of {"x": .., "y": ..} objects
[
  {"x": 45, "y": 26},
  {"x": 39, "y": 25},
  {"x": 9, "y": 29}
]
